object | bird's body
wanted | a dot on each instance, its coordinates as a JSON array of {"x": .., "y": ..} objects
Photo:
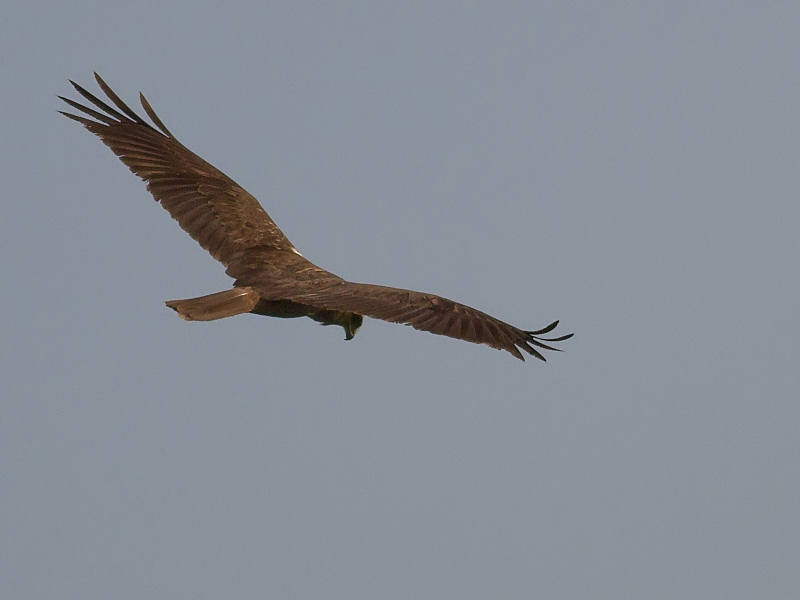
[{"x": 271, "y": 277}]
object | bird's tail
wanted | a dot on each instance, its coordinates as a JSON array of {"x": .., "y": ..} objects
[{"x": 216, "y": 306}]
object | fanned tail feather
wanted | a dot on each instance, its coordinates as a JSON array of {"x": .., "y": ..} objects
[{"x": 216, "y": 306}]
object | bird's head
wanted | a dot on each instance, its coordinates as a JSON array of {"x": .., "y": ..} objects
[{"x": 351, "y": 322}]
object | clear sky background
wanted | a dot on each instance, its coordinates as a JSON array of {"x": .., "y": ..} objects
[{"x": 628, "y": 168}]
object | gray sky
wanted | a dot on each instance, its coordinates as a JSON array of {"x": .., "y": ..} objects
[{"x": 629, "y": 169}]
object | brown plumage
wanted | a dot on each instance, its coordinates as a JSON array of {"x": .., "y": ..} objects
[{"x": 271, "y": 277}]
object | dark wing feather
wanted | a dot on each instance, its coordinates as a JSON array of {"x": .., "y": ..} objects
[
  {"x": 225, "y": 219},
  {"x": 427, "y": 312}
]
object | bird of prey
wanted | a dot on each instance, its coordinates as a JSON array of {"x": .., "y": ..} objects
[{"x": 271, "y": 277}]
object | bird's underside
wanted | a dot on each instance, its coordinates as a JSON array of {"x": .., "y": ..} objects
[{"x": 271, "y": 277}]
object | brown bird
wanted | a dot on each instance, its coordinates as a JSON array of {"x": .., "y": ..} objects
[{"x": 271, "y": 277}]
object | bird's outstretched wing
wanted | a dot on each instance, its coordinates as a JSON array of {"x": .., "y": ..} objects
[
  {"x": 211, "y": 207},
  {"x": 428, "y": 312}
]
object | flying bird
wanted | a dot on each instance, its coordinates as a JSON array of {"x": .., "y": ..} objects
[{"x": 271, "y": 277}]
